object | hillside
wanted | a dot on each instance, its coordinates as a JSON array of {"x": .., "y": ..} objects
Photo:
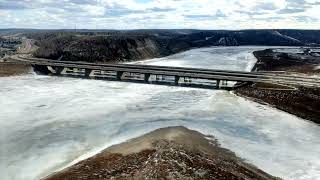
[
  {"x": 303, "y": 101},
  {"x": 168, "y": 153},
  {"x": 114, "y": 46}
]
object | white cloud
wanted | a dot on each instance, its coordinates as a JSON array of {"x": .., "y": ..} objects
[
  {"x": 131, "y": 14},
  {"x": 94, "y": 10}
]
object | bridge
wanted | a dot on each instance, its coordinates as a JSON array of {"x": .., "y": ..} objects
[{"x": 176, "y": 76}]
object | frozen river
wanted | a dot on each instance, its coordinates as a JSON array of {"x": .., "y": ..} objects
[{"x": 47, "y": 123}]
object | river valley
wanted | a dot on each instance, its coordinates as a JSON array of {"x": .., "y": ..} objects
[{"x": 47, "y": 123}]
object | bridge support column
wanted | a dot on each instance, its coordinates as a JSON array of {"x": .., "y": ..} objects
[
  {"x": 41, "y": 69},
  {"x": 51, "y": 69},
  {"x": 87, "y": 72},
  {"x": 119, "y": 75},
  {"x": 58, "y": 70},
  {"x": 146, "y": 77},
  {"x": 187, "y": 80},
  {"x": 176, "y": 80},
  {"x": 226, "y": 82},
  {"x": 218, "y": 84}
]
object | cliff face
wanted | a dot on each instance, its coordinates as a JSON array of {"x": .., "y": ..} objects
[
  {"x": 228, "y": 41},
  {"x": 110, "y": 49},
  {"x": 117, "y": 46},
  {"x": 98, "y": 48},
  {"x": 114, "y": 48}
]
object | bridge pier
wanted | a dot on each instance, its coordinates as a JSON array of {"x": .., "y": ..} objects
[
  {"x": 225, "y": 82},
  {"x": 119, "y": 75},
  {"x": 218, "y": 84},
  {"x": 187, "y": 80},
  {"x": 146, "y": 77},
  {"x": 87, "y": 72},
  {"x": 41, "y": 69},
  {"x": 176, "y": 80},
  {"x": 58, "y": 69}
]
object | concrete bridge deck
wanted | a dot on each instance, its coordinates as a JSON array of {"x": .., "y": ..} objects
[{"x": 165, "y": 74}]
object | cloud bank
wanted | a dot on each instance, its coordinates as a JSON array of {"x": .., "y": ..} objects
[{"x": 146, "y": 14}]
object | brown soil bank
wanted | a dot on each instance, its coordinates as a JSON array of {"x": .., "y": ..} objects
[
  {"x": 169, "y": 153},
  {"x": 304, "y": 102},
  {"x": 13, "y": 68}
]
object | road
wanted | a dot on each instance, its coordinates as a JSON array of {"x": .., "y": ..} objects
[{"x": 27, "y": 47}]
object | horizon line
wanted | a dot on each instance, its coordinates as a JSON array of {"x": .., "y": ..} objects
[{"x": 158, "y": 29}]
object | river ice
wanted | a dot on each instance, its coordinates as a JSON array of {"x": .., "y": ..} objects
[{"x": 47, "y": 123}]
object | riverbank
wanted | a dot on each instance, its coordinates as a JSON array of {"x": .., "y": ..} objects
[
  {"x": 303, "y": 102},
  {"x": 14, "y": 68},
  {"x": 167, "y": 153},
  {"x": 125, "y": 46},
  {"x": 67, "y": 119}
]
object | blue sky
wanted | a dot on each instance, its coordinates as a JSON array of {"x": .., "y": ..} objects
[
  {"x": 143, "y": 1},
  {"x": 146, "y": 14}
]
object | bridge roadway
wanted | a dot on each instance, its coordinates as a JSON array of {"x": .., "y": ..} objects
[{"x": 181, "y": 72}]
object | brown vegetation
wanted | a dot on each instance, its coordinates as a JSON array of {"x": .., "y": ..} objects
[
  {"x": 169, "y": 153},
  {"x": 303, "y": 102},
  {"x": 71, "y": 47},
  {"x": 115, "y": 46}
]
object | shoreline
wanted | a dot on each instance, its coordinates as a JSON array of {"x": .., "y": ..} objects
[
  {"x": 303, "y": 102},
  {"x": 263, "y": 101},
  {"x": 170, "y": 153},
  {"x": 10, "y": 68},
  {"x": 258, "y": 93},
  {"x": 272, "y": 96}
]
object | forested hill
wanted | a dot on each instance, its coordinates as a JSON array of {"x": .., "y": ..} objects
[{"x": 113, "y": 45}]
